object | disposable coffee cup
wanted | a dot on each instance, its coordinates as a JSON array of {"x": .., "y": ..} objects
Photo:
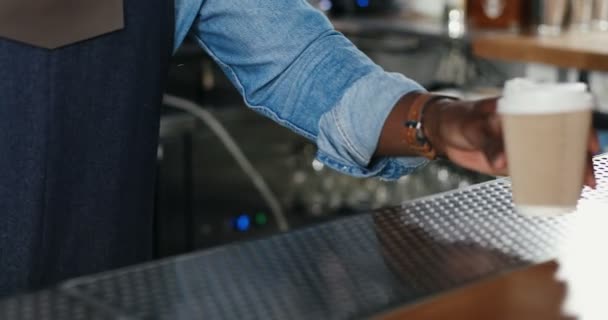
[{"x": 546, "y": 129}]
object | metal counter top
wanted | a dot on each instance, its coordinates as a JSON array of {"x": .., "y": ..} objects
[
  {"x": 51, "y": 305},
  {"x": 351, "y": 268}
]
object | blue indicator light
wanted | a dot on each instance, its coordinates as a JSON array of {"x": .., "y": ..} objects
[
  {"x": 242, "y": 223},
  {"x": 363, "y": 3}
]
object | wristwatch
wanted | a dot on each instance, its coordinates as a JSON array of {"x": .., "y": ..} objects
[{"x": 414, "y": 125}]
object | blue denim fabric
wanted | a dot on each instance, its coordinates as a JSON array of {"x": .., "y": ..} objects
[{"x": 292, "y": 66}]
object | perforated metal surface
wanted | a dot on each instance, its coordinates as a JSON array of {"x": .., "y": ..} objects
[
  {"x": 347, "y": 269},
  {"x": 351, "y": 268},
  {"x": 601, "y": 173},
  {"x": 50, "y": 305}
]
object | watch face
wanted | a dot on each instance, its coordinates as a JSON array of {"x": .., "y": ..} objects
[{"x": 55, "y": 23}]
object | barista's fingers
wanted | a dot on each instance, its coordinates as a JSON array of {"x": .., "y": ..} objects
[
  {"x": 594, "y": 143},
  {"x": 590, "y": 174},
  {"x": 594, "y": 148},
  {"x": 486, "y": 106},
  {"x": 494, "y": 153},
  {"x": 494, "y": 146}
]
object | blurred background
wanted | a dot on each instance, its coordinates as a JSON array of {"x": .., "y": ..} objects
[{"x": 205, "y": 199}]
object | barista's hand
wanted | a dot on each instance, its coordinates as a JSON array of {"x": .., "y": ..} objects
[{"x": 469, "y": 133}]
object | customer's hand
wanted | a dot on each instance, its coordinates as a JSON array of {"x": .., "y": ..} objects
[{"x": 469, "y": 133}]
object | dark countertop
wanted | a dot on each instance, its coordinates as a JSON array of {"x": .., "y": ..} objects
[{"x": 356, "y": 267}]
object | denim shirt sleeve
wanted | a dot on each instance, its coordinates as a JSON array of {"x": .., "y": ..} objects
[{"x": 289, "y": 64}]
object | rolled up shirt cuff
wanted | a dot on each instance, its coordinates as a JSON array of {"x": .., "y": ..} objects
[
  {"x": 383, "y": 168},
  {"x": 349, "y": 132}
]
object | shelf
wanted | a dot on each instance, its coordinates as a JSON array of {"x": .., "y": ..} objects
[
  {"x": 585, "y": 51},
  {"x": 411, "y": 25}
]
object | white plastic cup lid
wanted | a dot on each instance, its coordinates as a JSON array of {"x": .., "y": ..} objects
[{"x": 523, "y": 96}]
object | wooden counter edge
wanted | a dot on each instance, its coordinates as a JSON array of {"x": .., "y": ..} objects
[{"x": 528, "y": 293}]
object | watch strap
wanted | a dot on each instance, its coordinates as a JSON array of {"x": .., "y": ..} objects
[{"x": 414, "y": 125}]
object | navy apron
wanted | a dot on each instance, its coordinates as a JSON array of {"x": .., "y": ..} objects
[{"x": 78, "y": 139}]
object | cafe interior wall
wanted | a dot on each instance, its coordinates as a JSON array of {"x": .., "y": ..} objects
[{"x": 598, "y": 84}]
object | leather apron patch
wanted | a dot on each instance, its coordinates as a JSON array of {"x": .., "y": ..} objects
[{"x": 56, "y": 23}]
